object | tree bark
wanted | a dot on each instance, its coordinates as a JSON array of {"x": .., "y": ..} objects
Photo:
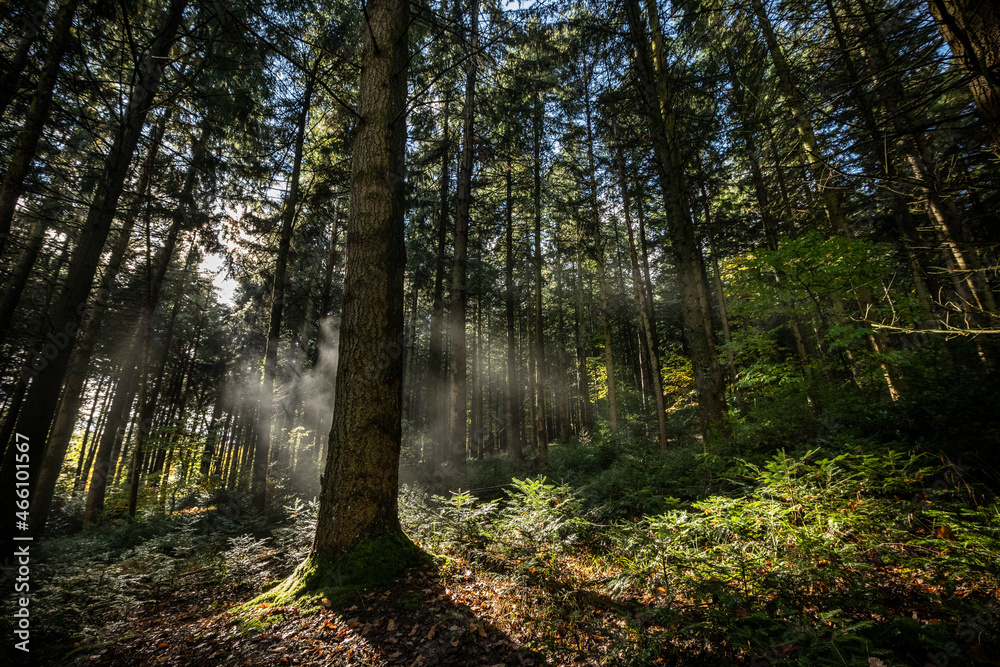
[
  {"x": 459, "y": 289},
  {"x": 358, "y": 501},
  {"x": 438, "y": 413}
]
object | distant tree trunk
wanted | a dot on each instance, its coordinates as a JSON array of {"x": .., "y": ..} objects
[
  {"x": 150, "y": 395},
  {"x": 513, "y": 429},
  {"x": 582, "y": 376},
  {"x": 33, "y": 18},
  {"x": 562, "y": 396},
  {"x": 438, "y": 413},
  {"x": 83, "y": 469},
  {"x": 121, "y": 406},
  {"x": 541, "y": 436},
  {"x": 459, "y": 288},
  {"x": 601, "y": 259},
  {"x": 695, "y": 308},
  {"x": 644, "y": 307},
  {"x": 127, "y": 387},
  {"x": 266, "y": 407},
  {"x": 358, "y": 501},
  {"x": 87, "y": 428},
  {"x": 972, "y": 30},
  {"x": 476, "y": 403},
  {"x": 720, "y": 297},
  {"x": 34, "y": 122},
  {"x": 42, "y": 400}
]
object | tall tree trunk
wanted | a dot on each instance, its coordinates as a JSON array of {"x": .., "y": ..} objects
[
  {"x": 128, "y": 387},
  {"x": 541, "y": 435},
  {"x": 266, "y": 408},
  {"x": 459, "y": 288},
  {"x": 601, "y": 259},
  {"x": 437, "y": 412},
  {"x": 659, "y": 99},
  {"x": 643, "y": 306},
  {"x": 562, "y": 391},
  {"x": 83, "y": 469},
  {"x": 513, "y": 428},
  {"x": 358, "y": 501},
  {"x": 147, "y": 401},
  {"x": 43, "y": 397},
  {"x": 34, "y": 122},
  {"x": 10, "y": 84},
  {"x": 972, "y": 30},
  {"x": 150, "y": 395},
  {"x": 580, "y": 335}
]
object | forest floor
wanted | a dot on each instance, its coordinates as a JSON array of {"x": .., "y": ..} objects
[
  {"x": 448, "y": 614},
  {"x": 870, "y": 560}
]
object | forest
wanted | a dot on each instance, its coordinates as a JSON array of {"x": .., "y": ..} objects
[{"x": 478, "y": 332}]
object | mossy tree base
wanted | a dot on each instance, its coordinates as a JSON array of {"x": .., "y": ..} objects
[{"x": 372, "y": 564}]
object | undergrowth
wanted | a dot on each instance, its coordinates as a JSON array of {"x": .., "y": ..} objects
[{"x": 823, "y": 558}]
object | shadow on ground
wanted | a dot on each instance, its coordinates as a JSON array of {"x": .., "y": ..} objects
[{"x": 414, "y": 622}]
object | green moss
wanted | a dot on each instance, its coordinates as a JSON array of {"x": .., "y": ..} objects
[
  {"x": 372, "y": 564},
  {"x": 412, "y": 601}
]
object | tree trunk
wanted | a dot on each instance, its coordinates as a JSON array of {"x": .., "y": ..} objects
[
  {"x": 459, "y": 289},
  {"x": 541, "y": 436},
  {"x": 129, "y": 385},
  {"x": 437, "y": 412},
  {"x": 601, "y": 259},
  {"x": 643, "y": 306},
  {"x": 972, "y": 30},
  {"x": 266, "y": 407},
  {"x": 34, "y": 122},
  {"x": 43, "y": 397},
  {"x": 358, "y": 501},
  {"x": 695, "y": 309},
  {"x": 150, "y": 395},
  {"x": 582, "y": 376},
  {"x": 513, "y": 427}
]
